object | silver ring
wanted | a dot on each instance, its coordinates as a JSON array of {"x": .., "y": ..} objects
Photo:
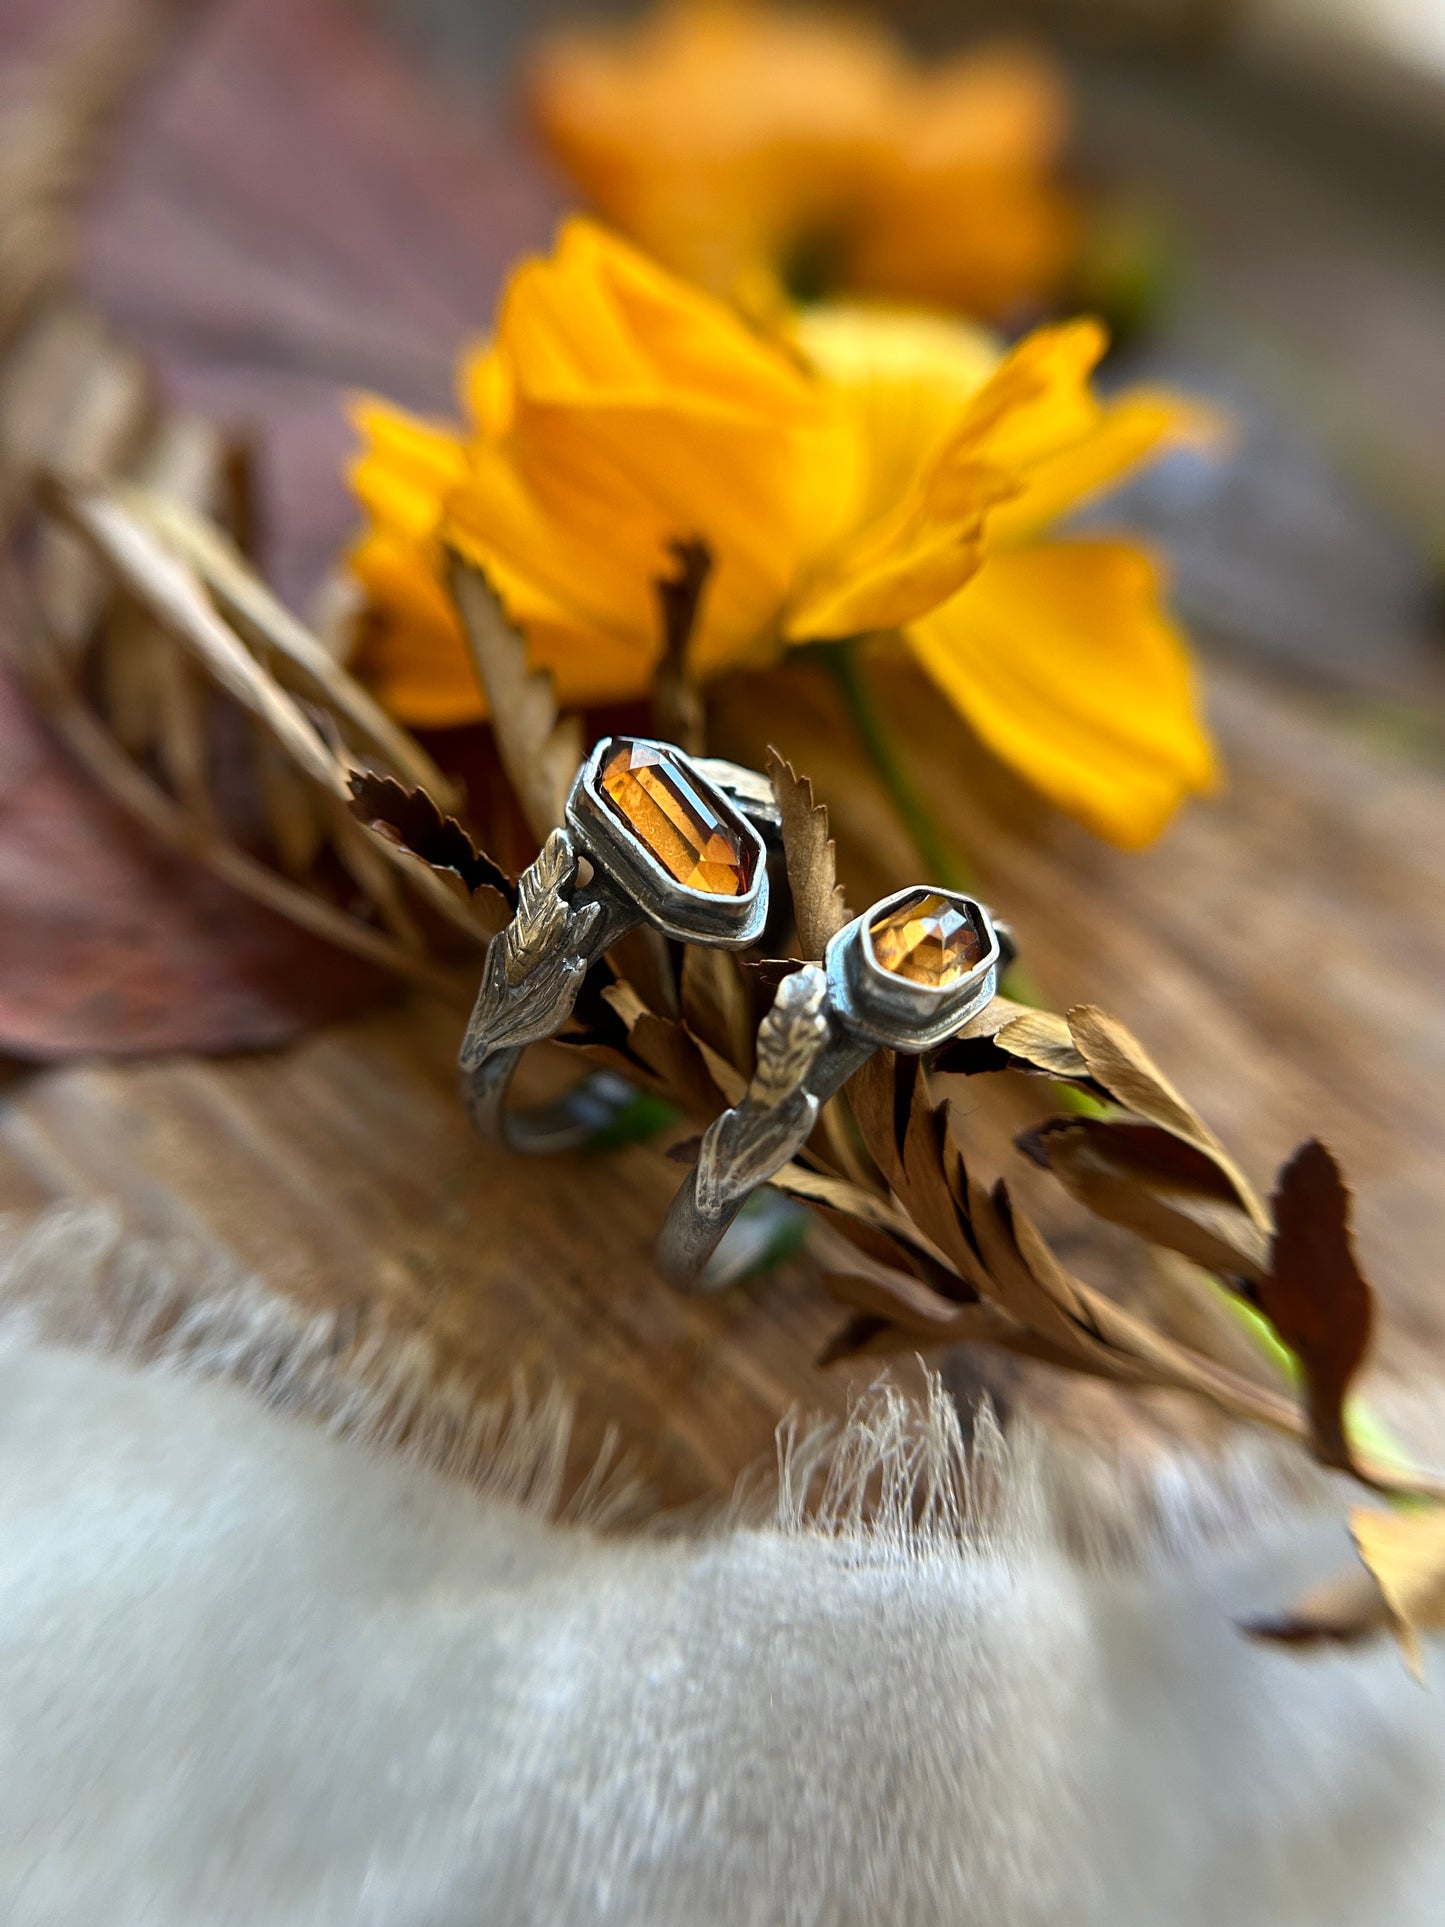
[
  {"x": 905, "y": 976},
  {"x": 667, "y": 839}
]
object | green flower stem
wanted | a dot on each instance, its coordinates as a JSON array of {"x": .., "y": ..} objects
[{"x": 941, "y": 862}]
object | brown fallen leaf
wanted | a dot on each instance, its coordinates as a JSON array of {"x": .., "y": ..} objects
[
  {"x": 203, "y": 695},
  {"x": 1314, "y": 1294},
  {"x": 539, "y": 750},
  {"x": 677, "y": 703},
  {"x": 412, "y": 820},
  {"x": 110, "y": 944},
  {"x": 819, "y": 910},
  {"x": 1401, "y": 1588},
  {"x": 1346, "y": 1608},
  {"x": 1163, "y": 1188},
  {"x": 1009, "y": 1036},
  {"x": 1405, "y": 1554},
  {"x": 299, "y": 660},
  {"x": 1042, "y": 1040},
  {"x": 717, "y": 1004},
  {"x": 667, "y": 1050},
  {"x": 1119, "y": 1063},
  {"x": 999, "y": 1253}
]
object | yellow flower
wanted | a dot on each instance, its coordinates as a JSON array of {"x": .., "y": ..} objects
[
  {"x": 871, "y": 473},
  {"x": 728, "y": 136}
]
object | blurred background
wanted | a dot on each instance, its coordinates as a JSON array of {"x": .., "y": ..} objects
[
  {"x": 1270, "y": 183},
  {"x": 1266, "y": 203}
]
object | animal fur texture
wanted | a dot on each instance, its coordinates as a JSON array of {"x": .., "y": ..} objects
[{"x": 260, "y": 1667}]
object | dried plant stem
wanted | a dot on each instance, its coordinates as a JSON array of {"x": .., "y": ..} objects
[{"x": 128, "y": 785}]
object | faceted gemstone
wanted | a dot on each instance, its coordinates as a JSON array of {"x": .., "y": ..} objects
[
  {"x": 928, "y": 939},
  {"x": 675, "y": 817}
]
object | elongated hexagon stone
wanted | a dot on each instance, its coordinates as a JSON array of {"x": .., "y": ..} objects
[
  {"x": 927, "y": 938},
  {"x": 675, "y": 818}
]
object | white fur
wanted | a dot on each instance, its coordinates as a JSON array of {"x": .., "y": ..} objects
[{"x": 256, "y": 1674}]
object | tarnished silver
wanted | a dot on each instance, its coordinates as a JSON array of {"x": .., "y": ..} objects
[
  {"x": 567, "y": 917},
  {"x": 826, "y": 1021}
]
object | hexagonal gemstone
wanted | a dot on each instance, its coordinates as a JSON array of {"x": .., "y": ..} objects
[
  {"x": 928, "y": 939},
  {"x": 676, "y": 818}
]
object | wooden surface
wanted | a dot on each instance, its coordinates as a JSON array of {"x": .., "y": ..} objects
[
  {"x": 345, "y": 1174},
  {"x": 299, "y": 214},
  {"x": 1282, "y": 953}
]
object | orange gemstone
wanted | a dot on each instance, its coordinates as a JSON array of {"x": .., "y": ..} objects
[
  {"x": 928, "y": 939},
  {"x": 674, "y": 817}
]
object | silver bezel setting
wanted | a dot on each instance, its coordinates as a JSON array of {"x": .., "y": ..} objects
[
  {"x": 691, "y": 916},
  {"x": 892, "y": 1011}
]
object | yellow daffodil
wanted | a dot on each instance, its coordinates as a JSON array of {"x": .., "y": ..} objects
[
  {"x": 730, "y": 138},
  {"x": 870, "y": 472}
]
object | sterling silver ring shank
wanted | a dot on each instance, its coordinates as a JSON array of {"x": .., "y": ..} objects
[
  {"x": 871, "y": 992},
  {"x": 599, "y": 877}
]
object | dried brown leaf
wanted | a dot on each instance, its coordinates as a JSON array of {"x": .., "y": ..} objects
[
  {"x": 818, "y": 907},
  {"x": 1006, "y": 1036},
  {"x": 1028, "y": 1283},
  {"x": 434, "y": 853},
  {"x": 904, "y": 1301},
  {"x": 645, "y": 959},
  {"x": 1068, "y": 1322},
  {"x": 126, "y": 783},
  {"x": 1405, "y": 1553},
  {"x": 112, "y": 943},
  {"x": 1118, "y": 1061},
  {"x": 412, "y": 820},
  {"x": 298, "y": 658},
  {"x": 1347, "y": 1608},
  {"x": 1402, "y": 1587},
  {"x": 1163, "y": 1188},
  {"x": 1042, "y": 1040},
  {"x": 539, "y": 751},
  {"x": 717, "y": 1004},
  {"x": 666, "y": 1049},
  {"x": 290, "y": 803},
  {"x": 1003, "y": 1256},
  {"x": 164, "y": 585},
  {"x": 677, "y": 705},
  {"x": 1314, "y": 1294},
  {"x": 850, "y": 1201}
]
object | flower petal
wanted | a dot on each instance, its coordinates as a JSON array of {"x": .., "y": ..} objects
[
  {"x": 414, "y": 656},
  {"x": 1038, "y": 417},
  {"x": 914, "y": 529},
  {"x": 639, "y": 412},
  {"x": 1064, "y": 661},
  {"x": 963, "y": 209},
  {"x": 406, "y": 468},
  {"x": 716, "y": 132},
  {"x": 410, "y": 477}
]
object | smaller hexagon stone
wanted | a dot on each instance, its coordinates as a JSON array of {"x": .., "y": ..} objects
[{"x": 927, "y": 938}]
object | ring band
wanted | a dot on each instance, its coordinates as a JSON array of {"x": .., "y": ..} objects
[
  {"x": 905, "y": 976},
  {"x": 669, "y": 840}
]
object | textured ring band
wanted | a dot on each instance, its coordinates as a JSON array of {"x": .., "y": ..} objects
[
  {"x": 666, "y": 839},
  {"x": 906, "y": 976}
]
